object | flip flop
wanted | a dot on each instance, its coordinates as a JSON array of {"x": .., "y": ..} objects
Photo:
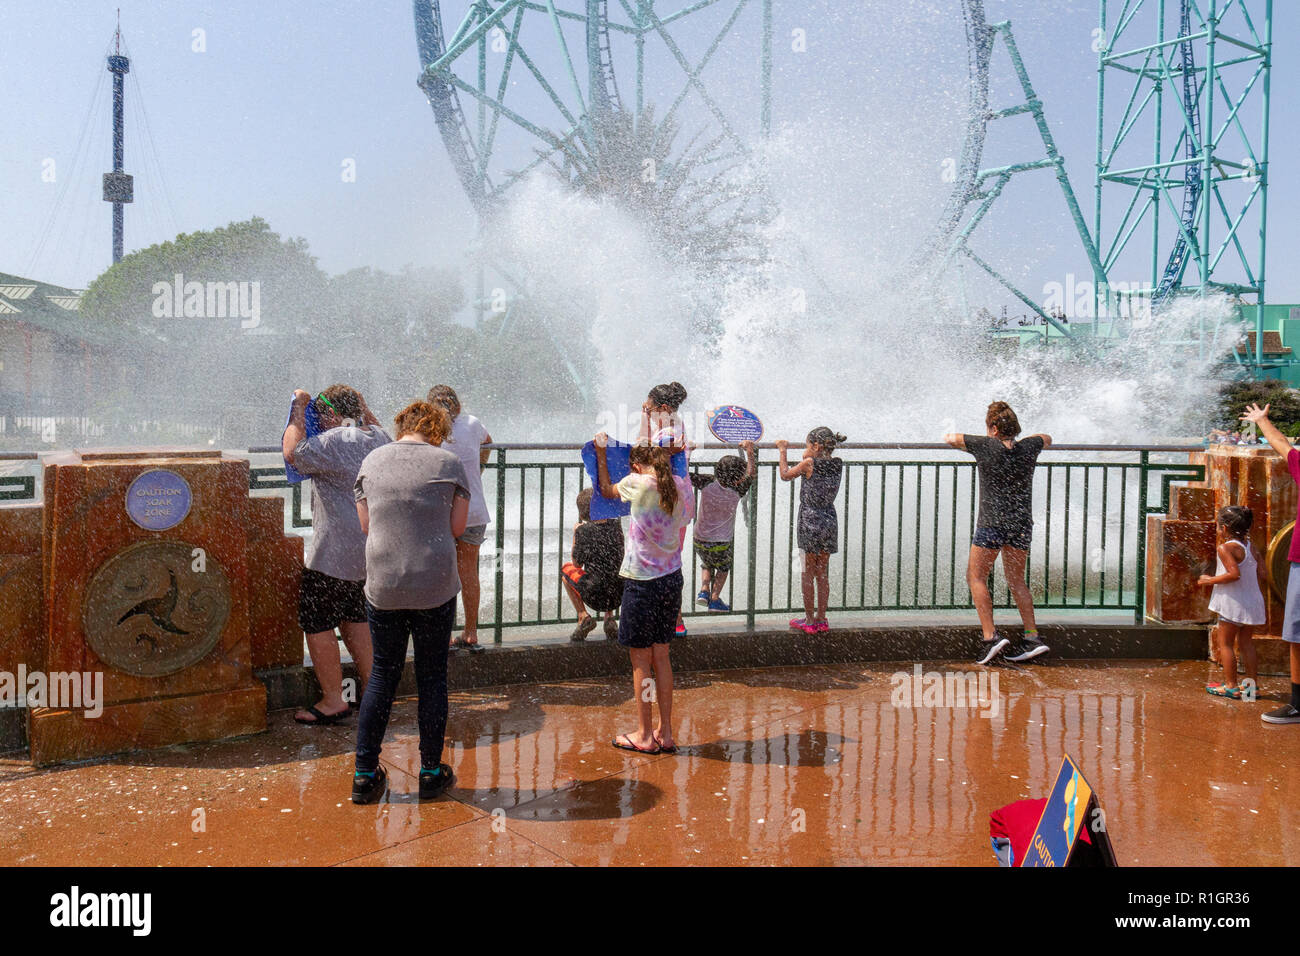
[
  {"x": 324, "y": 720},
  {"x": 662, "y": 748},
  {"x": 1223, "y": 690},
  {"x": 631, "y": 746},
  {"x": 475, "y": 648}
]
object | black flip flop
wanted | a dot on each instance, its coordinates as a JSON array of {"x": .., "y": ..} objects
[
  {"x": 323, "y": 720},
  {"x": 631, "y": 746},
  {"x": 663, "y": 749}
]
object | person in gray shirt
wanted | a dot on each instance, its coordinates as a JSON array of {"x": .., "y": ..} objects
[
  {"x": 412, "y": 500},
  {"x": 331, "y": 595}
]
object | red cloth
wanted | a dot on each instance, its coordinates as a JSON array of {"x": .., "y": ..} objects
[{"x": 1017, "y": 821}]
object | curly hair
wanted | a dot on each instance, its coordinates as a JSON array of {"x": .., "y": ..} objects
[
  {"x": 346, "y": 400},
  {"x": 431, "y": 422}
]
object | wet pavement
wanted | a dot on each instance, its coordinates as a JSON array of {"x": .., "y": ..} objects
[{"x": 810, "y": 765}]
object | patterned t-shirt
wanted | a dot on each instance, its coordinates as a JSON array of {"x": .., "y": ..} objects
[{"x": 654, "y": 538}]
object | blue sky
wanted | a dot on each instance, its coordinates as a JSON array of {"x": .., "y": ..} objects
[{"x": 262, "y": 120}]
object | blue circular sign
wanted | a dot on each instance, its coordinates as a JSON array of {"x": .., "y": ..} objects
[
  {"x": 733, "y": 424},
  {"x": 158, "y": 500}
]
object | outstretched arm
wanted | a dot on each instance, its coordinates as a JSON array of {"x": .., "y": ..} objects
[
  {"x": 955, "y": 440},
  {"x": 602, "y": 468},
  {"x": 803, "y": 469},
  {"x": 1275, "y": 438},
  {"x": 1047, "y": 440}
]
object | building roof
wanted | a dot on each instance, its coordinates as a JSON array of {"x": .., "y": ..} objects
[{"x": 54, "y": 308}]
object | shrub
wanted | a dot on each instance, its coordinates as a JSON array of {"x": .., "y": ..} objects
[{"x": 1284, "y": 401}]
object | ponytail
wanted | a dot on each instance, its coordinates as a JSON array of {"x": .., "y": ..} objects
[
  {"x": 663, "y": 463},
  {"x": 661, "y": 459}
]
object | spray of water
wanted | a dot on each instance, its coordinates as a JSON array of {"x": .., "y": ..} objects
[{"x": 824, "y": 332}]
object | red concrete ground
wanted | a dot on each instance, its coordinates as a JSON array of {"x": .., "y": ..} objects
[{"x": 792, "y": 766}]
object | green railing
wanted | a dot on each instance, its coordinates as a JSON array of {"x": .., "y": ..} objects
[
  {"x": 905, "y": 528},
  {"x": 906, "y": 515}
]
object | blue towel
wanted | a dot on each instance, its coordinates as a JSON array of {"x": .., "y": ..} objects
[
  {"x": 616, "y": 459},
  {"x": 291, "y": 474}
]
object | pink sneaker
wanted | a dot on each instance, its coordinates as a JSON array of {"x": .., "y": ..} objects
[
  {"x": 800, "y": 624},
  {"x": 822, "y": 626}
]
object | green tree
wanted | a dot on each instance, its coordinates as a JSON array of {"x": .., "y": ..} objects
[{"x": 1283, "y": 400}]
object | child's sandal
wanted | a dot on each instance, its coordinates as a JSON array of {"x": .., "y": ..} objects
[{"x": 1223, "y": 690}]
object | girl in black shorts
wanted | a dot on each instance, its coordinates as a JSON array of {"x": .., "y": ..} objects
[
  {"x": 1005, "y": 525},
  {"x": 662, "y": 505}
]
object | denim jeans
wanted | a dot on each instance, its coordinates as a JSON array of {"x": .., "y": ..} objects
[{"x": 389, "y": 631}]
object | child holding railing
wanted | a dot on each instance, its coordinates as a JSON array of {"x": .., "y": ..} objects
[
  {"x": 715, "y": 522},
  {"x": 1238, "y": 599},
  {"x": 818, "y": 524}
]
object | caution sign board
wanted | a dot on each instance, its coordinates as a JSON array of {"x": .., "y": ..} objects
[{"x": 1072, "y": 828}]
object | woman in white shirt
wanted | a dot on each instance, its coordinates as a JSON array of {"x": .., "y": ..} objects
[{"x": 468, "y": 436}]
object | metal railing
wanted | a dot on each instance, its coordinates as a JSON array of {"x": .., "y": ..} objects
[{"x": 905, "y": 522}]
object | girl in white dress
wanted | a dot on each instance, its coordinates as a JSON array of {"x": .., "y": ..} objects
[{"x": 1238, "y": 599}]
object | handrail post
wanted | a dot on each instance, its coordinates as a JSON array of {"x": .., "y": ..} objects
[
  {"x": 1140, "y": 578},
  {"x": 751, "y": 587},
  {"x": 500, "y": 574}
]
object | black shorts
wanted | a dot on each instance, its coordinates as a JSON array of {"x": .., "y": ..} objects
[
  {"x": 325, "y": 602},
  {"x": 650, "y": 609},
  {"x": 598, "y": 592},
  {"x": 997, "y": 538}
]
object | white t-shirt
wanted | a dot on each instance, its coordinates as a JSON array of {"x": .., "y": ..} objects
[
  {"x": 467, "y": 434},
  {"x": 716, "y": 520}
]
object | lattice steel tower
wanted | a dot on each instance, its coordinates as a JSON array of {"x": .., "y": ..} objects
[{"x": 1182, "y": 150}]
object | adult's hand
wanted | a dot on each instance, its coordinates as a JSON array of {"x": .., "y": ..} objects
[
  {"x": 1259, "y": 416},
  {"x": 1254, "y": 413}
]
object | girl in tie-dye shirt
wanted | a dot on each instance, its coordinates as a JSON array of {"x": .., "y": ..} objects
[{"x": 662, "y": 506}]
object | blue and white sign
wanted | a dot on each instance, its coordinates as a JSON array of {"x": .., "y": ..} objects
[
  {"x": 733, "y": 425},
  {"x": 158, "y": 500}
]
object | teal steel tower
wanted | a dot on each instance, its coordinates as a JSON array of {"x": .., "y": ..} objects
[{"x": 1182, "y": 152}]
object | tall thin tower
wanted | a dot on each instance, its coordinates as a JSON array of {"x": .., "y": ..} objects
[{"x": 119, "y": 187}]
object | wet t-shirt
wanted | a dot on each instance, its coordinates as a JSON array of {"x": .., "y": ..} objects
[
  {"x": 654, "y": 538},
  {"x": 598, "y": 548},
  {"x": 409, "y": 489},
  {"x": 331, "y": 460},
  {"x": 1006, "y": 480}
]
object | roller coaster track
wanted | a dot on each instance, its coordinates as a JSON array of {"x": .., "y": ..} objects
[
  {"x": 604, "y": 84},
  {"x": 445, "y": 101},
  {"x": 979, "y": 46},
  {"x": 443, "y": 97},
  {"x": 1192, "y": 176}
]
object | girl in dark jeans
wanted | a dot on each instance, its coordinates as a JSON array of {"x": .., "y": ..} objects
[{"x": 413, "y": 502}]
